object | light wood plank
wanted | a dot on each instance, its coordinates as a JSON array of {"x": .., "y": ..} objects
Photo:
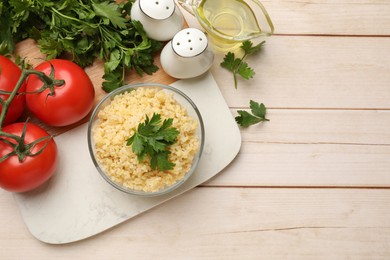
[
  {"x": 362, "y": 17},
  {"x": 320, "y": 127},
  {"x": 214, "y": 223},
  {"x": 326, "y": 17},
  {"x": 326, "y": 165},
  {"x": 314, "y": 72}
]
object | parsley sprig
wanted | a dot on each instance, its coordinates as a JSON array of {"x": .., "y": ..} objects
[
  {"x": 246, "y": 119},
  {"x": 153, "y": 139},
  {"x": 84, "y": 29},
  {"x": 237, "y": 65}
]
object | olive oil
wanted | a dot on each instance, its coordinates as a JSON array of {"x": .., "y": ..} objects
[{"x": 231, "y": 20}]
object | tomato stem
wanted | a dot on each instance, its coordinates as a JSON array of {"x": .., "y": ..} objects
[
  {"x": 48, "y": 83},
  {"x": 6, "y": 104},
  {"x": 20, "y": 148}
]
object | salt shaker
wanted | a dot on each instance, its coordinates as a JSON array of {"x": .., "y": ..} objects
[
  {"x": 187, "y": 55},
  {"x": 161, "y": 19}
]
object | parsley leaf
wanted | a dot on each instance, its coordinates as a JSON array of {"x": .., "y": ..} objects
[
  {"x": 160, "y": 161},
  {"x": 249, "y": 49},
  {"x": 237, "y": 65},
  {"x": 245, "y": 71},
  {"x": 113, "y": 80},
  {"x": 230, "y": 62},
  {"x": 153, "y": 138},
  {"x": 138, "y": 146},
  {"x": 246, "y": 119},
  {"x": 258, "y": 109},
  {"x": 110, "y": 11}
]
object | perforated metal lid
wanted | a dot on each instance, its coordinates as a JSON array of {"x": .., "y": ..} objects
[
  {"x": 157, "y": 9},
  {"x": 189, "y": 42}
]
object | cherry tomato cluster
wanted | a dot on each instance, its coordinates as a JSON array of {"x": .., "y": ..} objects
[{"x": 28, "y": 153}]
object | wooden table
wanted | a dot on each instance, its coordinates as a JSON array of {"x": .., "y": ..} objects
[{"x": 314, "y": 182}]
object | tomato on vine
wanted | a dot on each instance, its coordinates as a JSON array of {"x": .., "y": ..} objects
[
  {"x": 28, "y": 162},
  {"x": 9, "y": 76},
  {"x": 62, "y": 105}
]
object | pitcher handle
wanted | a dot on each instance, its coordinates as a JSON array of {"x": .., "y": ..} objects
[
  {"x": 187, "y": 5},
  {"x": 267, "y": 17}
]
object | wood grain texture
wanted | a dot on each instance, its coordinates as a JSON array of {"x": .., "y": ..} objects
[
  {"x": 215, "y": 223},
  {"x": 314, "y": 72},
  {"x": 311, "y": 126},
  {"x": 307, "y": 165},
  {"x": 313, "y": 183},
  {"x": 330, "y": 17}
]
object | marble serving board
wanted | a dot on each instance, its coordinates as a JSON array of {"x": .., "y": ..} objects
[{"x": 78, "y": 203}]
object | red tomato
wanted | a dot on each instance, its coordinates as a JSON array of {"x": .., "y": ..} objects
[
  {"x": 70, "y": 103},
  {"x": 33, "y": 171},
  {"x": 9, "y": 76}
]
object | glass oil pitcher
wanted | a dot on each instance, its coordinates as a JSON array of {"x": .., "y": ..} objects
[{"x": 230, "y": 22}]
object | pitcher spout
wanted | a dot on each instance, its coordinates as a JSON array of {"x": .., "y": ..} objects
[{"x": 188, "y": 5}]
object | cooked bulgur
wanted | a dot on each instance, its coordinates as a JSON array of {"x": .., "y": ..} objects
[{"x": 116, "y": 123}]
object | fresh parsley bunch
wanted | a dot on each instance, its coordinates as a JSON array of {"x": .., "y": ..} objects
[
  {"x": 153, "y": 139},
  {"x": 85, "y": 29},
  {"x": 237, "y": 65}
]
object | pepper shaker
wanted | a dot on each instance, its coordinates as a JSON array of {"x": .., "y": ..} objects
[
  {"x": 161, "y": 19},
  {"x": 187, "y": 55}
]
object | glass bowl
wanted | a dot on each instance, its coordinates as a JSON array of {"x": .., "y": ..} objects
[{"x": 94, "y": 121}]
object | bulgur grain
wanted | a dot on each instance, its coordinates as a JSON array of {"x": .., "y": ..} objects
[{"x": 116, "y": 123}]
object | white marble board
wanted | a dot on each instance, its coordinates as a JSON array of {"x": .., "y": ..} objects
[{"x": 78, "y": 203}]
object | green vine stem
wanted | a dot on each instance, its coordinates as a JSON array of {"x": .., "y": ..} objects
[{"x": 49, "y": 82}]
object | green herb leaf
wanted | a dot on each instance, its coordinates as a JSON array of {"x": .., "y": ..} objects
[
  {"x": 6, "y": 41},
  {"x": 153, "y": 138},
  {"x": 237, "y": 65},
  {"x": 246, "y": 119},
  {"x": 249, "y": 49},
  {"x": 138, "y": 145},
  {"x": 230, "y": 62},
  {"x": 258, "y": 109},
  {"x": 114, "y": 61},
  {"x": 113, "y": 80},
  {"x": 245, "y": 71},
  {"x": 160, "y": 161},
  {"x": 110, "y": 11}
]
